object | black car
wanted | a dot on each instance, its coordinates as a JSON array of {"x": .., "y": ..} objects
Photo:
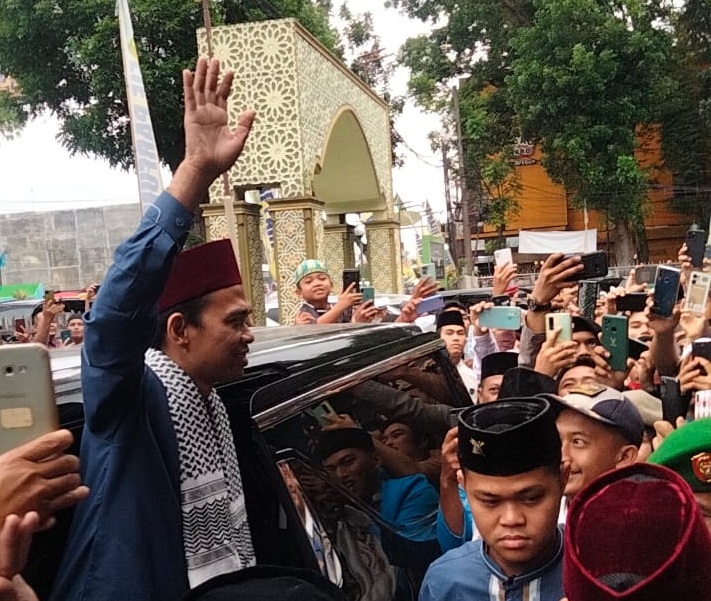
[{"x": 365, "y": 517}]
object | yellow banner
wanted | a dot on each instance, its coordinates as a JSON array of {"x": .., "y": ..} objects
[{"x": 145, "y": 153}]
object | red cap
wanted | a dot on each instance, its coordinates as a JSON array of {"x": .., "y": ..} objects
[
  {"x": 199, "y": 271},
  {"x": 636, "y": 533}
]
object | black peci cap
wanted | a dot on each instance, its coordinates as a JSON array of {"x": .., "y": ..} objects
[
  {"x": 508, "y": 437},
  {"x": 496, "y": 364}
]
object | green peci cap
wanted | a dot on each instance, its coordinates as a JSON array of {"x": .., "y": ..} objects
[
  {"x": 307, "y": 267},
  {"x": 687, "y": 451}
]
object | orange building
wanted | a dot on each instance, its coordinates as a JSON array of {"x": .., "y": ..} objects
[{"x": 545, "y": 205}]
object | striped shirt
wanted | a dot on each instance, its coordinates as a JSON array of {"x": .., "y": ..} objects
[{"x": 467, "y": 573}]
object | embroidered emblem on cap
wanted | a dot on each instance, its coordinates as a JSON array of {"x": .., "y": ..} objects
[
  {"x": 590, "y": 389},
  {"x": 477, "y": 447},
  {"x": 701, "y": 464}
]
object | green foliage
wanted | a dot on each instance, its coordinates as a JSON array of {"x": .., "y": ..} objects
[
  {"x": 65, "y": 57},
  {"x": 686, "y": 118},
  {"x": 12, "y": 115}
]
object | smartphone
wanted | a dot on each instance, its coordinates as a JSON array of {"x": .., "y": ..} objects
[
  {"x": 431, "y": 304},
  {"x": 503, "y": 256},
  {"x": 65, "y": 335},
  {"x": 594, "y": 266},
  {"x": 666, "y": 290},
  {"x": 698, "y": 292},
  {"x": 559, "y": 320},
  {"x": 320, "y": 411},
  {"x": 588, "y": 293},
  {"x": 632, "y": 301},
  {"x": 645, "y": 274},
  {"x": 349, "y": 277},
  {"x": 501, "y": 300},
  {"x": 48, "y": 295},
  {"x": 636, "y": 348},
  {"x": 27, "y": 407},
  {"x": 368, "y": 293},
  {"x": 614, "y": 339},
  {"x": 674, "y": 404},
  {"x": 502, "y": 318},
  {"x": 701, "y": 347},
  {"x": 20, "y": 325},
  {"x": 696, "y": 246}
]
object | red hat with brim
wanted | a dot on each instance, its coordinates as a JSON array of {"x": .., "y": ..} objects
[
  {"x": 636, "y": 533},
  {"x": 199, "y": 271}
]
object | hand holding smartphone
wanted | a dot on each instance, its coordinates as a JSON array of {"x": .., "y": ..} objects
[
  {"x": 562, "y": 321},
  {"x": 503, "y": 256},
  {"x": 27, "y": 406},
  {"x": 431, "y": 304},
  {"x": 614, "y": 339},
  {"x": 594, "y": 266},
  {"x": 696, "y": 247},
  {"x": 351, "y": 276},
  {"x": 666, "y": 290},
  {"x": 501, "y": 318}
]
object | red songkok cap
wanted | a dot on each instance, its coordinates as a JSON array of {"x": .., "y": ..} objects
[
  {"x": 636, "y": 534},
  {"x": 199, "y": 271}
]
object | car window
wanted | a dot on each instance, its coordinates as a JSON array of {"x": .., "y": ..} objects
[{"x": 362, "y": 467}]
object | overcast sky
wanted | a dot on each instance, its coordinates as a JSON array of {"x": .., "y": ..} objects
[{"x": 37, "y": 174}]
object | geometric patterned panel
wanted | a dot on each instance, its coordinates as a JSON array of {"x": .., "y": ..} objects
[
  {"x": 333, "y": 254},
  {"x": 254, "y": 262},
  {"x": 384, "y": 257},
  {"x": 263, "y": 59},
  {"x": 289, "y": 250},
  {"x": 325, "y": 88}
]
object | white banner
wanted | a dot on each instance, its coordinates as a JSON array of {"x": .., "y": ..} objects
[
  {"x": 546, "y": 243},
  {"x": 150, "y": 183}
]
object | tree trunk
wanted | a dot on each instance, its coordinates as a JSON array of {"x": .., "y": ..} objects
[{"x": 625, "y": 242}]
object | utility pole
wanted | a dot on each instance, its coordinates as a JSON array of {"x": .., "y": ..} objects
[
  {"x": 451, "y": 227},
  {"x": 464, "y": 187}
]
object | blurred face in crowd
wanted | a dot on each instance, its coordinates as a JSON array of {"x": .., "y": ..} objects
[
  {"x": 357, "y": 471},
  {"x": 638, "y": 327},
  {"x": 590, "y": 448},
  {"x": 315, "y": 288},
  {"x": 575, "y": 376},
  {"x": 76, "y": 329},
  {"x": 402, "y": 438},
  {"x": 455, "y": 337},
  {"x": 216, "y": 350},
  {"x": 489, "y": 388},
  {"x": 516, "y": 516},
  {"x": 586, "y": 341}
]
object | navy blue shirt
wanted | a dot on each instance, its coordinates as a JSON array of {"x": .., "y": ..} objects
[{"x": 126, "y": 540}]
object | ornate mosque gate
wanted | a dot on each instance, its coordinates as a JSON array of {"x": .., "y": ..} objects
[{"x": 324, "y": 137}]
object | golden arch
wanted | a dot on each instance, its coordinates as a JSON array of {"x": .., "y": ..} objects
[{"x": 344, "y": 177}]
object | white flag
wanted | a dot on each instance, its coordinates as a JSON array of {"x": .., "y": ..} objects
[{"x": 145, "y": 153}]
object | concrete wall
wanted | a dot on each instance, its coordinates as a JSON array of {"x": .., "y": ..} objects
[{"x": 64, "y": 250}]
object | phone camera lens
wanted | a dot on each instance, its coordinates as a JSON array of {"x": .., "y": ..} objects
[{"x": 9, "y": 370}]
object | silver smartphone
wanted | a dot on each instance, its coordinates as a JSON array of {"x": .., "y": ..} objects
[{"x": 27, "y": 406}]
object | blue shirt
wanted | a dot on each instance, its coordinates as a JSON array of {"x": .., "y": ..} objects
[
  {"x": 126, "y": 540},
  {"x": 467, "y": 573},
  {"x": 447, "y": 539}
]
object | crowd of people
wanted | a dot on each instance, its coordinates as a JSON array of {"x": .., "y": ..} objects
[{"x": 559, "y": 477}]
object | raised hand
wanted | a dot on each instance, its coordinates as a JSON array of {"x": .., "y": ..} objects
[{"x": 211, "y": 147}]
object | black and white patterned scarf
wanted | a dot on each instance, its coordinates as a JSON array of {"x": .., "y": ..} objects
[{"x": 216, "y": 536}]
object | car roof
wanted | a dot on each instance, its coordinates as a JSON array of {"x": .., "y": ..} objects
[{"x": 286, "y": 359}]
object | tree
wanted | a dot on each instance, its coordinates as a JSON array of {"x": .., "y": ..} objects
[
  {"x": 686, "y": 118},
  {"x": 65, "y": 57},
  {"x": 578, "y": 76},
  {"x": 583, "y": 77},
  {"x": 472, "y": 46}
]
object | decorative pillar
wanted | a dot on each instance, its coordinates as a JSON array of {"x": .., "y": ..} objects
[
  {"x": 384, "y": 255},
  {"x": 298, "y": 235},
  {"x": 338, "y": 241},
  {"x": 247, "y": 244}
]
